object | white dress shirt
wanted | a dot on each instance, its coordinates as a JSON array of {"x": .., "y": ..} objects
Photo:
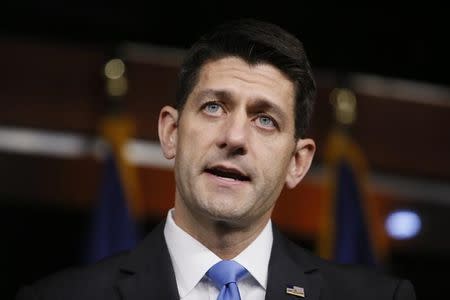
[{"x": 191, "y": 260}]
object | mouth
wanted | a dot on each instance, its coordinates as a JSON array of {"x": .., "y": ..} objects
[{"x": 227, "y": 173}]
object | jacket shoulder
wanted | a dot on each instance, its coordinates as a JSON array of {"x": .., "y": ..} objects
[
  {"x": 94, "y": 281},
  {"x": 359, "y": 281},
  {"x": 102, "y": 280},
  {"x": 350, "y": 281}
]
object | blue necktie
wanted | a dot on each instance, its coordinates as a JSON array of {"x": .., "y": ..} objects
[{"x": 225, "y": 274}]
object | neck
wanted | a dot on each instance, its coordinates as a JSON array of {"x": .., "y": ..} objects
[{"x": 224, "y": 239}]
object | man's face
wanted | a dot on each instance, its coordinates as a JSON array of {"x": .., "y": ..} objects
[{"x": 234, "y": 142}]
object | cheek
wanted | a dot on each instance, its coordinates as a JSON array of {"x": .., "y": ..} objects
[
  {"x": 193, "y": 143},
  {"x": 187, "y": 137},
  {"x": 276, "y": 162},
  {"x": 196, "y": 131}
]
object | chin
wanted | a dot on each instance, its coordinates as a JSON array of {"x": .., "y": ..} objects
[{"x": 221, "y": 210}]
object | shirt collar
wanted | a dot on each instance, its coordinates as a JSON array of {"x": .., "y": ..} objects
[
  {"x": 189, "y": 254},
  {"x": 255, "y": 258}
]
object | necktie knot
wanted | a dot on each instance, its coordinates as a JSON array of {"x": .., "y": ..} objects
[{"x": 225, "y": 272}]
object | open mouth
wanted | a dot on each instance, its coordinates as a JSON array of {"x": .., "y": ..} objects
[{"x": 227, "y": 173}]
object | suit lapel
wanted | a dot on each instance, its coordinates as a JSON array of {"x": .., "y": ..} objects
[
  {"x": 291, "y": 266},
  {"x": 148, "y": 272}
]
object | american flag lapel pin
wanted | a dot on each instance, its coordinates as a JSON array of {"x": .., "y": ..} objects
[{"x": 295, "y": 291}]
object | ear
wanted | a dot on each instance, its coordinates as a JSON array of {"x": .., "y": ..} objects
[
  {"x": 300, "y": 161},
  {"x": 167, "y": 131}
]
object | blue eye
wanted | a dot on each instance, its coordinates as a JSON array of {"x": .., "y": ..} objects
[
  {"x": 212, "y": 108},
  {"x": 266, "y": 121}
]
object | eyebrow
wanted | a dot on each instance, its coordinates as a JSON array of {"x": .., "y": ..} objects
[
  {"x": 265, "y": 105},
  {"x": 211, "y": 93}
]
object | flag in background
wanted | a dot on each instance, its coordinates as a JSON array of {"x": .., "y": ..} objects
[
  {"x": 114, "y": 225},
  {"x": 353, "y": 243},
  {"x": 351, "y": 228}
]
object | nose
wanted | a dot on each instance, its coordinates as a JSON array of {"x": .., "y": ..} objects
[{"x": 234, "y": 135}]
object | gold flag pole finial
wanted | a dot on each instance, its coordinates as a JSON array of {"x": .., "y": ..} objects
[
  {"x": 344, "y": 103},
  {"x": 116, "y": 82}
]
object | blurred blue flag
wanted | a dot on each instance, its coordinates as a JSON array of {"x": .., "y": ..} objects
[
  {"x": 113, "y": 228},
  {"x": 352, "y": 241},
  {"x": 348, "y": 217}
]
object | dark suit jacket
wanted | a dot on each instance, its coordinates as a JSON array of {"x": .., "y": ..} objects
[{"x": 147, "y": 273}]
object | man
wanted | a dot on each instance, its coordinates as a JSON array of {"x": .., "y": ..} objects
[{"x": 237, "y": 135}]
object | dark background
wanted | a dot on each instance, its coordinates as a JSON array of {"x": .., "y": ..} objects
[{"x": 406, "y": 42}]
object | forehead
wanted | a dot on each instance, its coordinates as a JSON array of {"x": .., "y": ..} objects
[{"x": 237, "y": 77}]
